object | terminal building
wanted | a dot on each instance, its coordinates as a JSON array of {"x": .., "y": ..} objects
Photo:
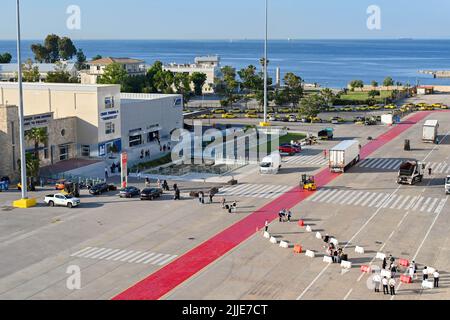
[{"x": 85, "y": 121}]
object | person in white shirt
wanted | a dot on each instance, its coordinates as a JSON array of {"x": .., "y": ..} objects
[
  {"x": 425, "y": 273},
  {"x": 385, "y": 285},
  {"x": 392, "y": 286},
  {"x": 436, "y": 276},
  {"x": 377, "y": 281}
]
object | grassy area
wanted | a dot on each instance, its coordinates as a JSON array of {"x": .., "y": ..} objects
[
  {"x": 357, "y": 96},
  {"x": 153, "y": 164}
]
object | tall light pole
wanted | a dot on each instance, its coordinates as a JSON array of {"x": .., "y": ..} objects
[
  {"x": 24, "y": 202},
  {"x": 265, "y": 64}
]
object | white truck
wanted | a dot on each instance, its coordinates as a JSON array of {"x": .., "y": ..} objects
[
  {"x": 430, "y": 131},
  {"x": 411, "y": 172},
  {"x": 447, "y": 185},
  {"x": 271, "y": 164},
  {"x": 344, "y": 155},
  {"x": 62, "y": 200}
]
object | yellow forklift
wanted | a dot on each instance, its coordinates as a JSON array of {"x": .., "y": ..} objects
[
  {"x": 308, "y": 183},
  {"x": 72, "y": 189}
]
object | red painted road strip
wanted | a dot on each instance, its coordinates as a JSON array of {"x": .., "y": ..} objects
[{"x": 168, "y": 278}]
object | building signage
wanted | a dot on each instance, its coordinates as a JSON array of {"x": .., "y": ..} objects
[
  {"x": 109, "y": 115},
  {"x": 38, "y": 120}
]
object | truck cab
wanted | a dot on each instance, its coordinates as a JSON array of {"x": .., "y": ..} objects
[
  {"x": 447, "y": 185},
  {"x": 411, "y": 172}
]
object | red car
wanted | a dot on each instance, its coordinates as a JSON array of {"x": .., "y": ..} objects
[{"x": 289, "y": 149}]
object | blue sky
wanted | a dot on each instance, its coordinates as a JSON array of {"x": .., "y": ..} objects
[{"x": 228, "y": 19}]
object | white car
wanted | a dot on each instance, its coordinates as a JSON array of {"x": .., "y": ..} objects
[
  {"x": 62, "y": 200},
  {"x": 447, "y": 185}
]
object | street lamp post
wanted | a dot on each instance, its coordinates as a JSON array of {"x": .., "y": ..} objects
[
  {"x": 265, "y": 64},
  {"x": 24, "y": 202}
]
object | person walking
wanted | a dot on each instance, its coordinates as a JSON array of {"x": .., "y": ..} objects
[
  {"x": 289, "y": 216},
  {"x": 234, "y": 206},
  {"x": 411, "y": 271},
  {"x": 377, "y": 282},
  {"x": 147, "y": 182},
  {"x": 165, "y": 186},
  {"x": 392, "y": 286},
  {"x": 200, "y": 197},
  {"x": 391, "y": 259},
  {"x": 106, "y": 173},
  {"x": 266, "y": 226},
  {"x": 425, "y": 273},
  {"x": 385, "y": 283},
  {"x": 211, "y": 197},
  {"x": 177, "y": 194},
  {"x": 384, "y": 263},
  {"x": 430, "y": 171},
  {"x": 158, "y": 183},
  {"x": 393, "y": 270},
  {"x": 436, "y": 277},
  {"x": 223, "y": 202}
]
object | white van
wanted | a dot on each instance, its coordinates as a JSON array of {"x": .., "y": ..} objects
[{"x": 271, "y": 164}]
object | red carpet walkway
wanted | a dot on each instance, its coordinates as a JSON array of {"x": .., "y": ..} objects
[{"x": 166, "y": 279}]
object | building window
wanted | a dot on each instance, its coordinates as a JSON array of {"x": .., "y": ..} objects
[
  {"x": 110, "y": 128},
  {"x": 109, "y": 102},
  {"x": 85, "y": 151},
  {"x": 135, "y": 140},
  {"x": 63, "y": 153}
]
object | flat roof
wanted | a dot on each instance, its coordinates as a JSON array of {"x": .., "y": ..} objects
[
  {"x": 345, "y": 144},
  {"x": 43, "y": 67},
  {"x": 431, "y": 123},
  {"x": 57, "y": 86}
]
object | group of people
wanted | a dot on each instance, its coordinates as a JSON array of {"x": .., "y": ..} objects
[
  {"x": 230, "y": 208},
  {"x": 389, "y": 284},
  {"x": 285, "y": 215},
  {"x": 145, "y": 153},
  {"x": 201, "y": 197},
  {"x": 334, "y": 251}
]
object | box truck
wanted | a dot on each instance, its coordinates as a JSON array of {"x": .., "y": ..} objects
[
  {"x": 411, "y": 172},
  {"x": 344, "y": 155},
  {"x": 271, "y": 164},
  {"x": 430, "y": 131}
]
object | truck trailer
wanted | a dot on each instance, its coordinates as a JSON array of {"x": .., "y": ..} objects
[
  {"x": 344, "y": 155},
  {"x": 430, "y": 131}
]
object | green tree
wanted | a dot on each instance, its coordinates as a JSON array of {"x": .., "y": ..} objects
[
  {"x": 81, "y": 60},
  {"x": 97, "y": 57},
  {"x": 30, "y": 72},
  {"x": 32, "y": 166},
  {"x": 66, "y": 48},
  {"x": 251, "y": 80},
  {"x": 41, "y": 54},
  {"x": 294, "y": 88},
  {"x": 5, "y": 57},
  {"x": 311, "y": 105},
  {"x": 134, "y": 84},
  {"x": 280, "y": 98},
  {"x": 328, "y": 95},
  {"x": 60, "y": 75},
  {"x": 374, "y": 84},
  {"x": 374, "y": 93},
  {"x": 113, "y": 74},
  {"x": 388, "y": 82},
  {"x": 37, "y": 136},
  {"x": 199, "y": 80},
  {"x": 356, "y": 84},
  {"x": 51, "y": 43},
  {"x": 182, "y": 83}
]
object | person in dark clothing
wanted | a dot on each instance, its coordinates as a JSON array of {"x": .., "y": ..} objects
[
  {"x": 385, "y": 283},
  {"x": 177, "y": 194},
  {"x": 326, "y": 239},
  {"x": 211, "y": 197},
  {"x": 384, "y": 263},
  {"x": 165, "y": 186}
]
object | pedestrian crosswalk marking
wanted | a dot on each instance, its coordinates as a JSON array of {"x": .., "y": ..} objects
[
  {"x": 255, "y": 191},
  {"x": 129, "y": 256},
  {"x": 378, "y": 200},
  {"x": 307, "y": 160},
  {"x": 394, "y": 165}
]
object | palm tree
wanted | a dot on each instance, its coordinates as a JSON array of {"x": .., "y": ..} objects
[{"x": 37, "y": 136}]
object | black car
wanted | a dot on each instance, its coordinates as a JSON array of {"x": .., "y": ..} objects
[
  {"x": 129, "y": 192},
  {"x": 151, "y": 193},
  {"x": 98, "y": 189}
]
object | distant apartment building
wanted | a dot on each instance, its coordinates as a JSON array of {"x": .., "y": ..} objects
[
  {"x": 133, "y": 67},
  {"x": 85, "y": 121},
  {"x": 209, "y": 65},
  {"x": 8, "y": 71}
]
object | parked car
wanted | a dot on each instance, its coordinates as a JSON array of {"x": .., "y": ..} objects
[
  {"x": 251, "y": 115},
  {"x": 229, "y": 116},
  {"x": 289, "y": 149},
  {"x": 62, "y": 200},
  {"x": 151, "y": 193},
  {"x": 220, "y": 111},
  {"x": 129, "y": 192},
  {"x": 98, "y": 189},
  {"x": 292, "y": 118}
]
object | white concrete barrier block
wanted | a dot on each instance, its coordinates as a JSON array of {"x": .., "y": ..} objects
[
  {"x": 359, "y": 250},
  {"x": 346, "y": 264},
  {"x": 334, "y": 241},
  {"x": 327, "y": 259},
  {"x": 427, "y": 285},
  {"x": 308, "y": 229},
  {"x": 284, "y": 244},
  {"x": 319, "y": 236},
  {"x": 273, "y": 240},
  {"x": 266, "y": 235},
  {"x": 310, "y": 254},
  {"x": 386, "y": 273},
  {"x": 380, "y": 256}
]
